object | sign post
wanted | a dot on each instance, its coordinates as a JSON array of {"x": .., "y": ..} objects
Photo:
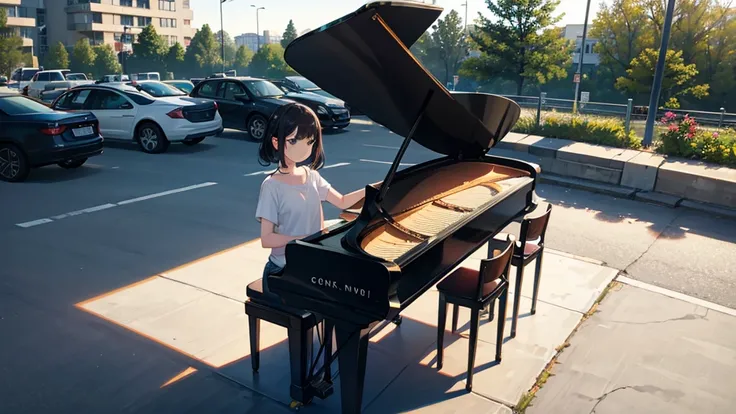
[{"x": 455, "y": 80}]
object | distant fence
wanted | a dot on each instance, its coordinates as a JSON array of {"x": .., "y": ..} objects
[{"x": 537, "y": 105}]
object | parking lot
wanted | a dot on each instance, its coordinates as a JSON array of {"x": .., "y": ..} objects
[{"x": 70, "y": 235}]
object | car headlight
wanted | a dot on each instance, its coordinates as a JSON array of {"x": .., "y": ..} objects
[{"x": 322, "y": 110}]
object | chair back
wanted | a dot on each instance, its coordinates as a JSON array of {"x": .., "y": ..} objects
[
  {"x": 495, "y": 269},
  {"x": 533, "y": 228}
]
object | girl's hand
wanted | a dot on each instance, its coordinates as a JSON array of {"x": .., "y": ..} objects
[{"x": 344, "y": 201}]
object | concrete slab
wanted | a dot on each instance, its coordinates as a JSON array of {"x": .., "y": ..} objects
[
  {"x": 709, "y": 208},
  {"x": 601, "y": 156},
  {"x": 658, "y": 198},
  {"x": 585, "y": 171},
  {"x": 546, "y": 147},
  {"x": 641, "y": 171},
  {"x": 644, "y": 353},
  {"x": 601, "y": 188},
  {"x": 698, "y": 181},
  {"x": 512, "y": 141}
]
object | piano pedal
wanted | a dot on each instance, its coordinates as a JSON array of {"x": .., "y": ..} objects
[
  {"x": 397, "y": 320},
  {"x": 322, "y": 389},
  {"x": 296, "y": 405}
]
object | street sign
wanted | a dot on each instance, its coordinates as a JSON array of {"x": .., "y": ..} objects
[
  {"x": 576, "y": 78},
  {"x": 455, "y": 79},
  {"x": 584, "y": 97}
]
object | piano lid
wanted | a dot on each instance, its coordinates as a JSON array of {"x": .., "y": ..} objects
[{"x": 363, "y": 59}]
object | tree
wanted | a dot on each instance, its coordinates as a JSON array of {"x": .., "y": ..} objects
[
  {"x": 57, "y": 58},
  {"x": 203, "y": 53},
  {"x": 450, "y": 44},
  {"x": 677, "y": 80},
  {"x": 83, "y": 57},
  {"x": 149, "y": 52},
  {"x": 106, "y": 61},
  {"x": 230, "y": 48},
  {"x": 175, "y": 59},
  {"x": 243, "y": 57},
  {"x": 289, "y": 34},
  {"x": 519, "y": 44},
  {"x": 269, "y": 62},
  {"x": 11, "y": 54}
]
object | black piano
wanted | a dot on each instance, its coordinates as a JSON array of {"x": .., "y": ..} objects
[{"x": 419, "y": 223}]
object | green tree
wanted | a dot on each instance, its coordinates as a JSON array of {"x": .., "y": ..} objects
[
  {"x": 57, "y": 57},
  {"x": 203, "y": 53},
  {"x": 450, "y": 46},
  {"x": 149, "y": 52},
  {"x": 678, "y": 79},
  {"x": 519, "y": 43},
  {"x": 243, "y": 57},
  {"x": 269, "y": 62},
  {"x": 230, "y": 48},
  {"x": 11, "y": 54},
  {"x": 289, "y": 34},
  {"x": 83, "y": 57},
  {"x": 175, "y": 59},
  {"x": 106, "y": 61}
]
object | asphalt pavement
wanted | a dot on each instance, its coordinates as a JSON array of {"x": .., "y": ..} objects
[{"x": 124, "y": 216}]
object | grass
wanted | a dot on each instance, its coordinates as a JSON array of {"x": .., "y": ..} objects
[{"x": 526, "y": 399}]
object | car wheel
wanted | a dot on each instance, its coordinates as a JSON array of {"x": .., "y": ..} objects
[
  {"x": 257, "y": 127},
  {"x": 151, "y": 139},
  {"x": 193, "y": 142},
  {"x": 71, "y": 164},
  {"x": 14, "y": 165}
]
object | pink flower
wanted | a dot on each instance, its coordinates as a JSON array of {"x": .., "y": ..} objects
[
  {"x": 692, "y": 129},
  {"x": 715, "y": 135},
  {"x": 673, "y": 128},
  {"x": 690, "y": 135},
  {"x": 669, "y": 115}
]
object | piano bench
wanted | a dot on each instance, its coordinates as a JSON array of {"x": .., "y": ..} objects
[{"x": 300, "y": 325}]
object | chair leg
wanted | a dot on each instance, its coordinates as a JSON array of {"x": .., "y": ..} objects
[
  {"x": 502, "y": 303},
  {"x": 441, "y": 320},
  {"x": 254, "y": 327},
  {"x": 517, "y": 297},
  {"x": 455, "y": 313},
  {"x": 491, "y": 310},
  {"x": 473, "y": 346},
  {"x": 537, "y": 278}
]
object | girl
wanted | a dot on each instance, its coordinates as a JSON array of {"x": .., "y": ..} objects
[{"x": 290, "y": 201}]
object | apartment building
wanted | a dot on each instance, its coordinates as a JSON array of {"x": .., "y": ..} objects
[
  {"x": 252, "y": 40},
  {"x": 24, "y": 18},
  {"x": 574, "y": 32},
  {"x": 105, "y": 21}
]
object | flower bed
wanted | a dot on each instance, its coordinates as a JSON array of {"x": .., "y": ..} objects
[
  {"x": 685, "y": 138},
  {"x": 593, "y": 130}
]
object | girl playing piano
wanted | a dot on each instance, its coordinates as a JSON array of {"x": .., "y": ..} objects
[{"x": 290, "y": 200}]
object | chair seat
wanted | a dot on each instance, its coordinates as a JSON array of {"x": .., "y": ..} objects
[
  {"x": 463, "y": 283},
  {"x": 530, "y": 249},
  {"x": 256, "y": 294}
]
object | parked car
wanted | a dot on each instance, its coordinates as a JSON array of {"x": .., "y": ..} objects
[
  {"x": 184, "y": 85},
  {"x": 114, "y": 78},
  {"x": 155, "y": 76},
  {"x": 247, "y": 103},
  {"x": 21, "y": 77},
  {"x": 47, "y": 80},
  {"x": 127, "y": 112},
  {"x": 302, "y": 84},
  {"x": 34, "y": 135},
  {"x": 332, "y": 112}
]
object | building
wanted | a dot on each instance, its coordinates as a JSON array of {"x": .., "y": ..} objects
[
  {"x": 574, "y": 32},
  {"x": 251, "y": 40},
  {"x": 25, "y": 18},
  {"x": 103, "y": 21}
]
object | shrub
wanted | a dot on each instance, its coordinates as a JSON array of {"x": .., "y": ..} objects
[
  {"x": 593, "y": 130},
  {"x": 684, "y": 138}
]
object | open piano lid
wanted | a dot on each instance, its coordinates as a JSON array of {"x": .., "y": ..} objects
[{"x": 363, "y": 59}]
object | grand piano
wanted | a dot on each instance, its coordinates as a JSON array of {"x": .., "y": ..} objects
[{"x": 419, "y": 223}]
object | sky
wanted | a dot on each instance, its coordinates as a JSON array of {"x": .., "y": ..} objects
[{"x": 240, "y": 17}]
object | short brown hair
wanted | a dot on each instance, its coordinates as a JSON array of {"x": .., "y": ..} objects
[{"x": 282, "y": 123}]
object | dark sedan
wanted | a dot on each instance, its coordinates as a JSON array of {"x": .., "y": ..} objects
[
  {"x": 247, "y": 103},
  {"x": 34, "y": 135},
  {"x": 302, "y": 84}
]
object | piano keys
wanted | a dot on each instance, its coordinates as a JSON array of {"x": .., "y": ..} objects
[{"x": 418, "y": 224}]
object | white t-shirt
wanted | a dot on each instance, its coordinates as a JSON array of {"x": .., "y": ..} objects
[{"x": 295, "y": 209}]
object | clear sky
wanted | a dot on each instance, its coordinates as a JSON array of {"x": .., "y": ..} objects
[{"x": 239, "y": 17}]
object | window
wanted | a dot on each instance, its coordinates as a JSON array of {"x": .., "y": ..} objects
[
  {"x": 232, "y": 89},
  {"x": 143, "y": 21},
  {"x": 187, "y": 22},
  {"x": 73, "y": 100},
  {"x": 18, "y": 105},
  {"x": 167, "y": 22},
  {"x": 27, "y": 32},
  {"x": 165, "y": 38},
  {"x": 12, "y": 11},
  {"x": 159, "y": 89},
  {"x": 186, "y": 4},
  {"x": 263, "y": 88},
  {"x": 187, "y": 41},
  {"x": 208, "y": 89},
  {"x": 169, "y": 5},
  {"x": 126, "y": 20},
  {"x": 107, "y": 100},
  {"x": 126, "y": 3},
  {"x": 587, "y": 48},
  {"x": 174, "y": 40},
  {"x": 143, "y": 4},
  {"x": 42, "y": 77},
  {"x": 55, "y": 76},
  {"x": 96, "y": 17}
]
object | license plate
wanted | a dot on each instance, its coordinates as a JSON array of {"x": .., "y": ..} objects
[{"x": 82, "y": 132}]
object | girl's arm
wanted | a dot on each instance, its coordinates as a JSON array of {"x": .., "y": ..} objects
[
  {"x": 270, "y": 239},
  {"x": 344, "y": 201}
]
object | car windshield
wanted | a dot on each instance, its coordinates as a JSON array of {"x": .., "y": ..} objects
[
  {"x": 262, "y": 89},
  {"x": 159, "y": 89},
  {"x": 19, "y": 105},
  {"x": 185, "y": 86},
  {"x": 305, "y": 83},
  {"x": 76, "y": 76},
  {"x": 27, "y": 75}
]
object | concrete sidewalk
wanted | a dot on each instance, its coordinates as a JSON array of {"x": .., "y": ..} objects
[{"x": 646, "y": 350}]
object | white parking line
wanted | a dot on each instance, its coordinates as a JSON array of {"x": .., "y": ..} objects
[
  {"x": 387, "y": 162},
  {"x": 339, "y": 164},
  {"x": 101, "y": 207},
  {"x": 380, "y": 146}
]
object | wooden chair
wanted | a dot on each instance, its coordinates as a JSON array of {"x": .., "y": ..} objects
[
  {"x": 476, "y": 290},
  {"x": 529, "y": 247}
]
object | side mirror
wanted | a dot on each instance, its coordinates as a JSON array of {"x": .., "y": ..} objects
[
  {"x": 126, "y": 105},
  {"x": 241, "y": 97}
]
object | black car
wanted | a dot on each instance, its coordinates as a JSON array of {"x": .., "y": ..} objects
[
  {"x": 247, "y": 103},
  {"x": 34, "y": 135},
  {"x": 302, "y": 84}
]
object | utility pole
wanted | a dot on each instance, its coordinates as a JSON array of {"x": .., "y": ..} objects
[
  {"x": 258, "y": 27},
  {"x": 579, "y": 72},
  {"x": 658, "y": 74},
  {"x": 466, "y": 16},
  {"x": 222, "y": 38}
]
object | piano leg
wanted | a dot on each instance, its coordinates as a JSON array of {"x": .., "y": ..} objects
[
  {"x": 352, "y": 345},
  {"x": 300, "y": 351}
]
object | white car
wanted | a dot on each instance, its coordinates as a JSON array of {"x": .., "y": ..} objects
[
  {"x": 128, "y": 112},
  {"x": 46, "y": 80}
]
